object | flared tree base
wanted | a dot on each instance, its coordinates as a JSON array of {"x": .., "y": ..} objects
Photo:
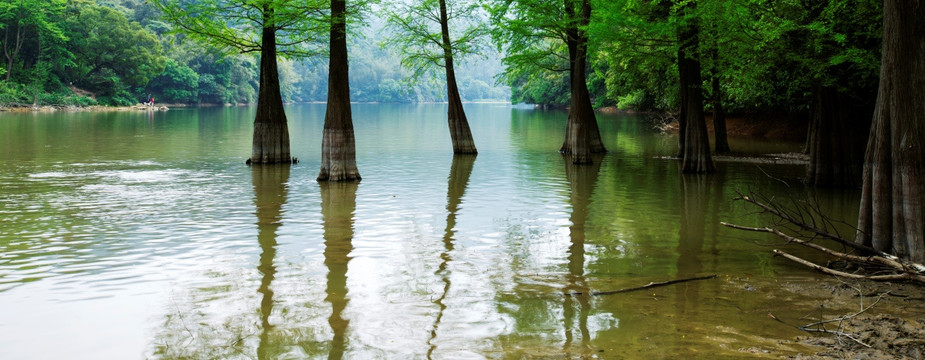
[{"x": 338, "y": 156}]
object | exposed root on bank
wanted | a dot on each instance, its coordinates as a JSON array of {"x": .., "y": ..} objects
[{"x": 807, "y": 219}]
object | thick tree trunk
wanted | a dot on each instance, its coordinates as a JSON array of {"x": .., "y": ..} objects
[
  {"x": 456, "y": 116},
  {"x": 836, "y": 139},
  {"x": 271, "y": 131},
  {"x": 338, "y": 204},
  {"x": 891, "y": 216},
  {"x": 694, "y": 140},
  {"x": 582, "y": 135},
  {"x": 338, "y": 147}
]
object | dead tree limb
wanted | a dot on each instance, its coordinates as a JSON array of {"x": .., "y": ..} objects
[
  {"x": 643, "y": 287},
  {"x": 892, "y": 277},
  {"x": 890, "y": 261},
  {"x": 903, "y": 270},
  {"x": 802, "y": 224}
]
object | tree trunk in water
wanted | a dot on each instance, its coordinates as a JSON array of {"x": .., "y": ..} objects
[
  {"x": 338, "y": 146},
  {"x": 694, "y": 141},
  {"x": 456, "y": 116},
  {"x": 271, "y": 131},
  {"x": 891, "y": 216},
  {"x": 836, "y": 139},
  {"x": 582, "y": 135},
  {"x": 721, "y": 145}
]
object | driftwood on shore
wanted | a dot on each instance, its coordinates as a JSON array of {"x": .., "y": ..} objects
[{"x": 886, "y": 267}]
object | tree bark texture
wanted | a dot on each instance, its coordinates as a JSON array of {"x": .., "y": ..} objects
[
  {"x": 694, "y": 141},
  {"x": 271, "y": 130},
  {"x": 338, "y": 146},
  {"x": 891, "y": 216},
  {"x": 836, "y": 139},
  {"x": 582, "y": 135},
  {"x": 460, "y": 133}
]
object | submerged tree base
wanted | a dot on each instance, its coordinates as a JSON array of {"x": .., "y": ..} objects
[
  {"x": 338, "y": 156},
  {"x": 292, "y": 160}
]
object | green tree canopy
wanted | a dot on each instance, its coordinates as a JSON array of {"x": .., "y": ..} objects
[
  {"x": 235, "y": 26},
  {"x": 111, "y": 54}
]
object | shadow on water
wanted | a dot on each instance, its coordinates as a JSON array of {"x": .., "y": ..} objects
[
  {"x": 457, "y": 181},
  {"x": 338, "y": 206},
  {"x": 270, "y": 189},
  {"x": 582, "y": 180}
]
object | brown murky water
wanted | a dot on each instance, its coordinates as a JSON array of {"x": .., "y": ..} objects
[{"x": 143, "y": 235}]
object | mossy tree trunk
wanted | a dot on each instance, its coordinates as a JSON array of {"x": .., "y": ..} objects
[
  {"x": 836, "y": 139},
  {"x": 460, "y": 133},
  {"x": 338, "y": 146},
  {"x": 694, "y": 141},
  {"x": 891, "y": 216},
  {"x": 582, "y": 135},
  {"x": 271, "y": 130}
]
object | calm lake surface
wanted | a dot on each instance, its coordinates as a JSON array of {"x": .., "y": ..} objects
[{"x": 130, "y": 235}]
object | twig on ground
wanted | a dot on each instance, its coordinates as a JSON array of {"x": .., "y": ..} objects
[{"x": 646, "y": 286}]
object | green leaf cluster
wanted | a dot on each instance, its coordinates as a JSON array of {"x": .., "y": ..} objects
[{"x": 768, "y": 55}]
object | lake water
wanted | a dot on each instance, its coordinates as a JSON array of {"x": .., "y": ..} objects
[{"x": 130, "y": 235}]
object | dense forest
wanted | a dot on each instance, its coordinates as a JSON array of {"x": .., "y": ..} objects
[
  {"x": 757, "y": 56},
  {"x": 120, "y": 52}
]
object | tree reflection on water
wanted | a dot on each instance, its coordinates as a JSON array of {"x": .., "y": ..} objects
[{"x": 338, "y": 204}]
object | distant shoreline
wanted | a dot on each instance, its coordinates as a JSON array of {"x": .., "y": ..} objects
[{"x": 166, "y": 106}]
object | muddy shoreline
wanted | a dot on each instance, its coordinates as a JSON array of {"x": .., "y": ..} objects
[{"x": 875, "y": 320}]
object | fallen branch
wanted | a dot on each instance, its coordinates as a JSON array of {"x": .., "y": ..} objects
[
  {"x": 902, "y": 270},
  {"x": 891, "y": 261},
  {"x": 905, "y": 276},
  {"x": 790, "y": 219},
  {"x": 774, "y": 211},
  {"x": 643, "y": 287}
]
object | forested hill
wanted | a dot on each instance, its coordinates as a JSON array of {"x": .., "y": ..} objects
[{"x": 119, "y": 52}]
